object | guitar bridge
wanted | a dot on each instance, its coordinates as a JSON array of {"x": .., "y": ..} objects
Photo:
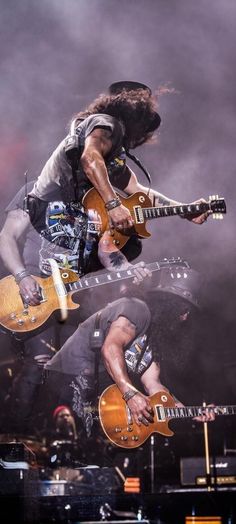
[{"x": 138, "y": 213}]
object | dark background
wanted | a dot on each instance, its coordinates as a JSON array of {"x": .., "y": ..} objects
[{"x": 56, "y": 56}]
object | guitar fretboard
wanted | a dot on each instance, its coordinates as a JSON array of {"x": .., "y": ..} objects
[
  {"x": 193, "y": 411},
  {"x": 167, "y": 211},
  {"x": 114, "y": 276}
]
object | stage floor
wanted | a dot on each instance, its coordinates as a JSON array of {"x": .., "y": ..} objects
[{"x": 171, "y": 505}]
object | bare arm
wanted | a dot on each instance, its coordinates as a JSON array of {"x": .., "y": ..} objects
[
  {"x": 109, "y": 255},
  {"x": 97, "y": 145},
  {"x": 114, "y": 260},
  {"x": 16, "y": 225},
  {"x": 159, "y": 199},
  {"x": 121, "y": 332},
  {"x": 152, "y": 384},
  {"x": 151, "y": 380}
]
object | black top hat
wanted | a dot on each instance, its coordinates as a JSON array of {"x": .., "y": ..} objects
[
  {"x": 117, "y": 87},
  {"x": 182, "y": 281},
  {"x": 129, "y": 85}
]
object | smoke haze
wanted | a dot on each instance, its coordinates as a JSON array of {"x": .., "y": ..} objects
[{"x": 56, "y": 56}]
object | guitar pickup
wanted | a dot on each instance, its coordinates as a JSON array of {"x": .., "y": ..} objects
[
  {"x": 41, "y": 296},
  {"x": 129, "y": 416},
  {"x": 138, "y": 213},
  {"x": 160, "y": 413}
]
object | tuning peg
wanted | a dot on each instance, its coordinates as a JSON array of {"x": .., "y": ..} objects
[
  {"x": 217, "y": 216},
  {"x": 213, "y": 197}
]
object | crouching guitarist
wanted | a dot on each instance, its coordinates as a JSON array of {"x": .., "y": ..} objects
[{"x": 112, "y": 346}]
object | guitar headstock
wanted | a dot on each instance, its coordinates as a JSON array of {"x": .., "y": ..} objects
[
  {"x": 174, "y": 261},
  {"x": 217, "y": 206}
]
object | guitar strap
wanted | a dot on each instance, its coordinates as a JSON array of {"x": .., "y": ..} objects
[
  {"x": 73, "y": 155},
  {"x": 141, "y": 166},
  {"x": 141, "y": 353}
]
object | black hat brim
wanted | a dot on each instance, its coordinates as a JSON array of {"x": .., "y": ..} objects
[{"x": 117, "y": 87}]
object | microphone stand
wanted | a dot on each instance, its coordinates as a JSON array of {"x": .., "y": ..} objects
[
  {"x": 152, "y": 463},
  {"x": 207, "y": 456}
]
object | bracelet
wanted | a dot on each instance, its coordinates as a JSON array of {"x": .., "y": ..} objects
[
  {"x": 111, "y": 204},
  {"x": 22, "y": 274},
  {"x": 129, "y": 394}
]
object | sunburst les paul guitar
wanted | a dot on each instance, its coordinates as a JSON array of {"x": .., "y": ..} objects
[
  {"x": 141, "y": 210},
  {"x": 117, "y": 423},
  {"x": 20, "y": 318}
]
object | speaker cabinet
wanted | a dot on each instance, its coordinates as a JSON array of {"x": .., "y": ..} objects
[{"x": 193, "y": 470}]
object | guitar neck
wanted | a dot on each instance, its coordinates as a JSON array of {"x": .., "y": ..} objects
[
  {"x": 112, "y": 276},
  {"x": 183, "y": 209},
  {"x": 196, "y": 411}
]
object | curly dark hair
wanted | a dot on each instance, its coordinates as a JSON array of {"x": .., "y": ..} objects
[
  {"x": 171, "y": 335},
  {"x": 135, "y": 108}
]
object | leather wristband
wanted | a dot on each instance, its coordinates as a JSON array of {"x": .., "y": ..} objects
[
  {"x": 129, "y": 394},
  {"x": 22, "y": 274},
  {"x": 111, "y": 204}
]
